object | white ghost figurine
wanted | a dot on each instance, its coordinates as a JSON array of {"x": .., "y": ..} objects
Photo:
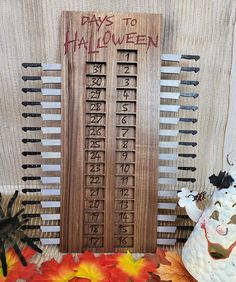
[{"x": 210, "y": 252}]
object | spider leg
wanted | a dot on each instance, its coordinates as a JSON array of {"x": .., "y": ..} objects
[
  {"x": 17, "y": 250},
  {"x": 1, "y": 210},
  {"x": 23, "y": 222},
  {"x": 3, "y": 258},
  {"x": 25, "y": 239},
  {"x": 10, "y": 204},
  {"x": 19, "y": 212}
]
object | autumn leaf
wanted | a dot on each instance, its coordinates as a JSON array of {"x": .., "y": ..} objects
[
  {"x": 158, "y": 258},
  {"x": 15, "y": 270},
  {"x": 93, "y": 268},
  {"x": 79, "y": 280},
  {"x": 129, "y": 269},
  {"x": 174, "y": 272},
  {"x": 57, "y": 272}
]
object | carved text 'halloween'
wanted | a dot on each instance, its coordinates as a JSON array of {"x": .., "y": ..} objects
[{"x": 92, "y": 45}]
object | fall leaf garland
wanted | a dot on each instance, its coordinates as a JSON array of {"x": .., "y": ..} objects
[{"x": 162, "y": 266}]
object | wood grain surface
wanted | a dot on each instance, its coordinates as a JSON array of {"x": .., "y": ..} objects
[
  {"x": 111, "y": 97},
  {"x": 30, "y": 33}
]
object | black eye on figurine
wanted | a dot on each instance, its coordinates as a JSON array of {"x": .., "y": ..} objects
[
  {"x": 222, "y": 181},
  {"x": 10, "y": 231}
]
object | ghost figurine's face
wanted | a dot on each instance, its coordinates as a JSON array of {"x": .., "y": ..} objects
[
  {"x": 210, "y": 252},
  {"x": 218, "y": 222}
]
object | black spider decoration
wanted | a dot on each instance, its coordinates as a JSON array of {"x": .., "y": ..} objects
[
  {"x": 222, "y": 181},
  {"x": 10, "y": 230}
]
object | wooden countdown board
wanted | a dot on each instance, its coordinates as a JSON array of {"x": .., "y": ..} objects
[{"x": 110, "y": 103}]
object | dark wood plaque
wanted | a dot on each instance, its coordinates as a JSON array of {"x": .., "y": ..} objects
[{"x": 110, "y": 109}]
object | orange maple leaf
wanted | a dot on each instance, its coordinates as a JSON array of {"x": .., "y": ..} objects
[
  {"x": 94, "y": 268},
  {"x": 174, "y": 272},
  {"x": 15, "y": 269},
  {"x": 52, "y": 271},
  {"x": 129, "y": 269},
  {"x": 79, "y": 280}
]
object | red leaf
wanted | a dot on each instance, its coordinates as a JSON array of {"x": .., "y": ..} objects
[
  {"x": 56, "y": 272},
  {"x": 158, "y": 258},
  {"x": 15, "y": 269}
]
